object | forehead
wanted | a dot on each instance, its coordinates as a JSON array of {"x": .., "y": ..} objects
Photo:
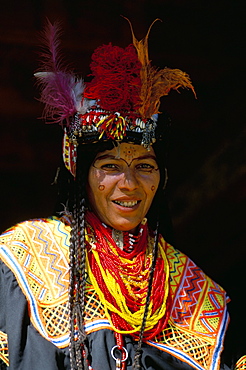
[{"x": 128, "y": 151}]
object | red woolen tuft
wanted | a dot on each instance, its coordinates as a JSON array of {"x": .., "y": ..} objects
[{"x": 116, "y": 84}]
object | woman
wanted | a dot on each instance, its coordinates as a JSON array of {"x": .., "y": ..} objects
[{"x": 98, "y": 287}]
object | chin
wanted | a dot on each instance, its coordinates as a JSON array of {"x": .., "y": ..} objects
[{"x": 126, "y": 226}]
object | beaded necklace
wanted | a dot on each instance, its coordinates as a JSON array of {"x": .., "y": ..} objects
[{"x": 120, "y": 279}]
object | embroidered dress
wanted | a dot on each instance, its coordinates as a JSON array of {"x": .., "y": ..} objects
[{"x": 34, "y": 317}]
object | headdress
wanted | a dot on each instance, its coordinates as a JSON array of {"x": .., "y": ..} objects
[{"x": 120, "y": 103}]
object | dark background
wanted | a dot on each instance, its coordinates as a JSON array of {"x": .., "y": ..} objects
[{"x": 206, "y": 189}]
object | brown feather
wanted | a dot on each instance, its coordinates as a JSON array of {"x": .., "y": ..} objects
[{"x": 156, "y": 83}]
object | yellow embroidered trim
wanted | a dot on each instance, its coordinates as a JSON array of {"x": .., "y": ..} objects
[
  {"x": 41, "y": 248},
  {"x": 196, "y": 347},
  {"x": 4, "y": 355},
  {"x": 241, "y": 364}
]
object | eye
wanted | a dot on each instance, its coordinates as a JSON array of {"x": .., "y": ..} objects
[
  {"x": 110, "y": 167},
  {"x": 145, "y": 167}
]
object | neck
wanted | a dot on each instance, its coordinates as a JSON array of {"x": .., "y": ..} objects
[{"x": 124, "y": 240}]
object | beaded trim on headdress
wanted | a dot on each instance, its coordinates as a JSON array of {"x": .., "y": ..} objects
[{"x": 121, "y": 102}]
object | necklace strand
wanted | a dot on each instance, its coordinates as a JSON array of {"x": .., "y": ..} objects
[{"x": 120, "y": 279}]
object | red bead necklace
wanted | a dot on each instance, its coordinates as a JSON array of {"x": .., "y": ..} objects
[{"x": 130, "y": 271}]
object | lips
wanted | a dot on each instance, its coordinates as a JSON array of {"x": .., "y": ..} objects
[{"x": 127, "y": 204}]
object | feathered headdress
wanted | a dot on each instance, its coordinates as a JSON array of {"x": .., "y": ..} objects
[{"x": 120, "y": 103}]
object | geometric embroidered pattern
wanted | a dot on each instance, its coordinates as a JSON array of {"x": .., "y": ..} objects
[
  {"x": 198, "y": 317},
  {"x": 94, "y": 309},
  {"x": 198, "y": 302},
  {"x": 197, "y": 348},
  {"x": 241, "y": 364},
  {"x": 4, "y": 355},
  {"x": 41, "y": 248},
  {"x": 56, "y": 319},
  {"x": 37, "y": 252}
]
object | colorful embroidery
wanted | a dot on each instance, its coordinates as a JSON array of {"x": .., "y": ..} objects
[
  {"x": 198, "y": 313},
  {"x": 183, "y": 344},
  {"x": 37, "y": 252},
  {"x": 241, "y": 364},
  {"x": 4, "y": 355},
  {"x": 194, "y": 293}
]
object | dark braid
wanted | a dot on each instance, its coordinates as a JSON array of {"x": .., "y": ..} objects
[
  {"x": 72, "y": 290},
  {"x": 82, "y": 279},
  {"x": 138, "y": 352},
  {"x": 78, "y": 348}
]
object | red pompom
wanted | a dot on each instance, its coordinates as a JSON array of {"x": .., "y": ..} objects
[{"x": 116, "y": 84}]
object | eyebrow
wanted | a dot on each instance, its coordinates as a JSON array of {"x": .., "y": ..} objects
[{"x": 110, "y": 156}]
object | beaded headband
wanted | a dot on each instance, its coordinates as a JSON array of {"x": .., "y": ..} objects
[{"x": 120, "y": 103}]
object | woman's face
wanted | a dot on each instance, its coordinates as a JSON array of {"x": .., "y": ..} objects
[{"x": 122, "y": 183}]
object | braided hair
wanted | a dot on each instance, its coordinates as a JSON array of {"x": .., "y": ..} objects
[{"x": 72, "y": 194}]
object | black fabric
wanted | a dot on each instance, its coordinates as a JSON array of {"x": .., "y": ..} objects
[
  {"x": 152, "y": 358},
  {"x": 3, "y": 365}
]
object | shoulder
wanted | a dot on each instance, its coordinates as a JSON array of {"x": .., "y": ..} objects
[
  {"x": 182, "y": 267},
  {"x": 35, "y": 242},
  {"x": 34, "y": 228},
  {"x": 198, "y": 302},
  {"x": 37, "y": 252}
]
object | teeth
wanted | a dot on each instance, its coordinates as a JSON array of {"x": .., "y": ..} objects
[{"x": 126, "y": 204}]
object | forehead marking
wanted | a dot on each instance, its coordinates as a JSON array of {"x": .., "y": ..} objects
[{"x": 129, "y": 152}]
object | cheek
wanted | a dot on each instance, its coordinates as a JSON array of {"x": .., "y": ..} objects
[
  {"x": 97, "y": 186},
  {"x": 151, "y": 187},
  {"x": 151, "y": 183},
  {"x": 94, "y": 180}
]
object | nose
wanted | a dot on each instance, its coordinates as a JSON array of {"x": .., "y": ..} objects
[{"x": 128, "y": 180}]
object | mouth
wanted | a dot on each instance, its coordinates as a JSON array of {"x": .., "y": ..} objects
[{"x": 127, "y": 204}]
